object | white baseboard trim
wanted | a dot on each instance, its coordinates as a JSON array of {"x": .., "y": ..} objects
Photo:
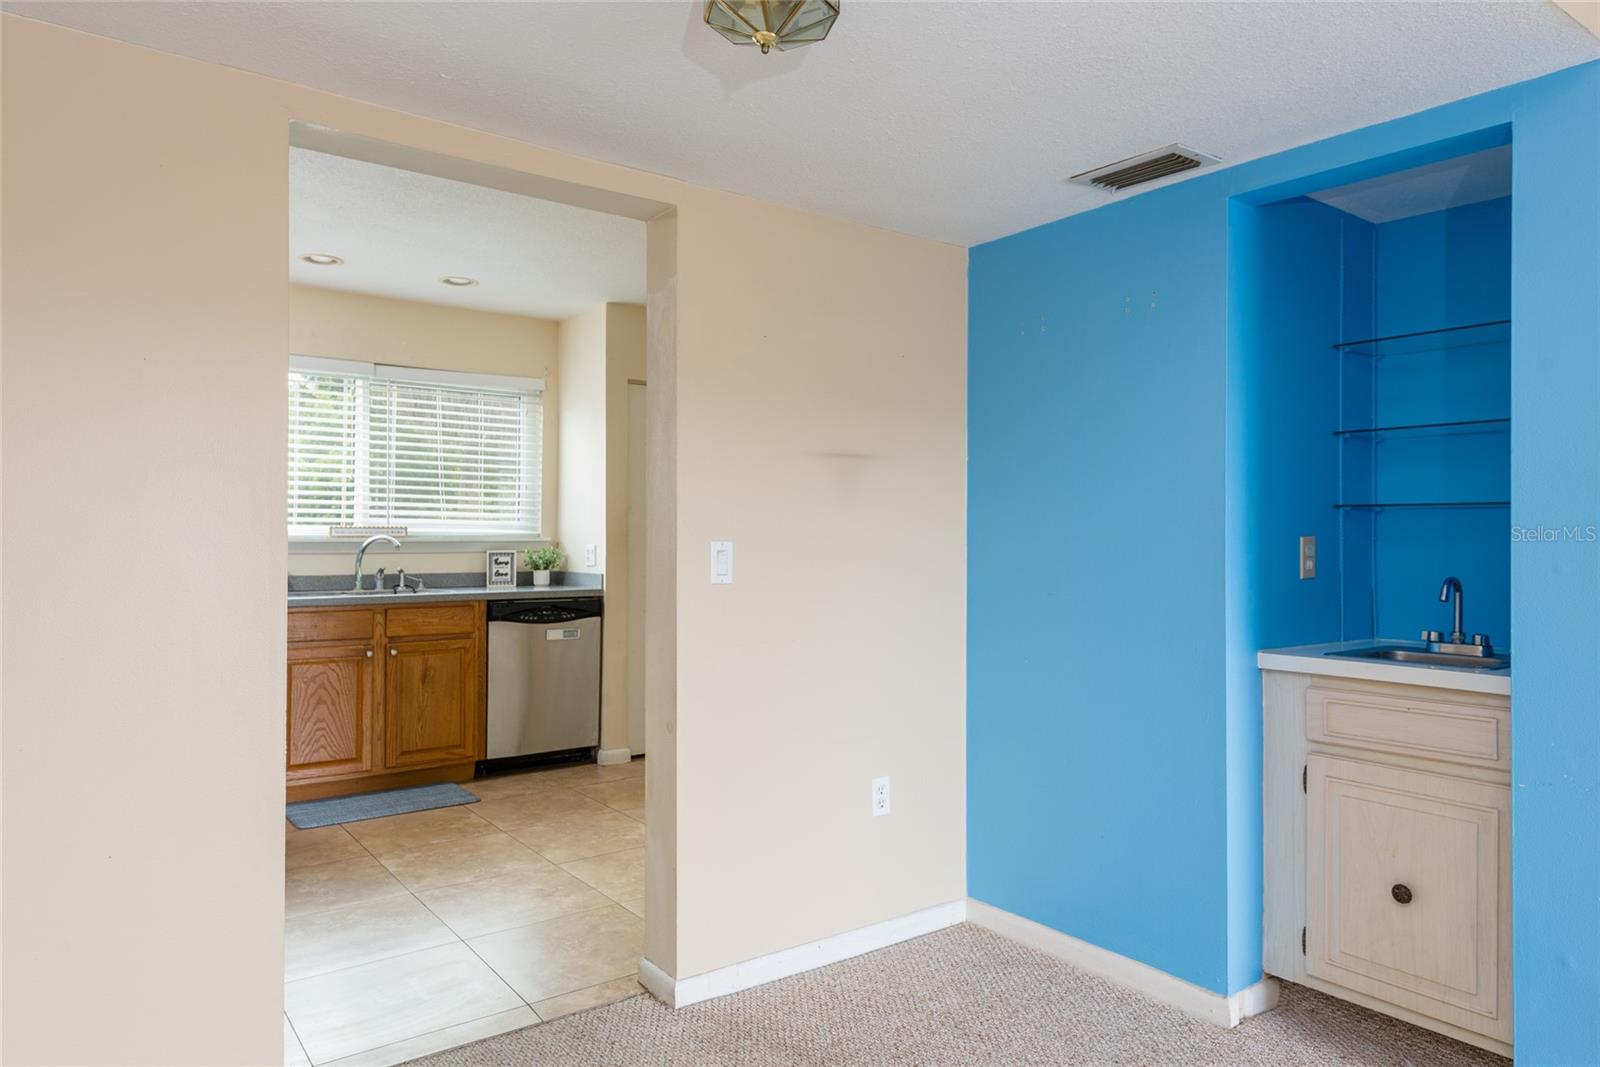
[
  {"x": 1131, "y": 974},
  {"x": 613, "y": 755},
  {"x": 681, "y": 992},
  {"x": 660, "y": 984}
]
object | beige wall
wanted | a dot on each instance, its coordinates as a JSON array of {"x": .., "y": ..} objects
[
  {"x": 601, "y": 349},
  {"x": 407, "y": 333},
  {"x": 817, "y": 398},
  {"x": 820, "y": 410},
  {"x": 625, "y": 361},
  {"x": 661, "y": 576},
  {"x": 581, "y": 483},
  {"x": 334, "y": 324},
  {"x": 1587, "y": 12},
  {"x": 141, "y": 425}
]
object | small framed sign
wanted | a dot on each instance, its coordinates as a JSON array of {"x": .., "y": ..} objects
[{"x": 500, "y": 568}]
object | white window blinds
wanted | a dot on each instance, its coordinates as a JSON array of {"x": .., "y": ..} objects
[{"x": 443, "y": 454}]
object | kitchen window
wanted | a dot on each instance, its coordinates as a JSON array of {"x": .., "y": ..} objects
[{"x": 448, "y": 456}]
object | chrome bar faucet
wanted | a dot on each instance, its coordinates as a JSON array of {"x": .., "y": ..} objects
[
  {"x": 1451, "y": 584},
  {"x": 1458, "y": 643},
  {"x": 362, "y": 551}
]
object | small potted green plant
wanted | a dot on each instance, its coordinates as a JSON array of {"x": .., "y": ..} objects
[{"x": 543, "y": 561}]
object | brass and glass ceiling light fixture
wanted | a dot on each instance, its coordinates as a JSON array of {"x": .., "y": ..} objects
[{"x": 780, "y": 24}]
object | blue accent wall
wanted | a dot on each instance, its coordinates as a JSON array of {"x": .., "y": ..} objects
[
  {"x": 1286, "y": 266},
  {"x": 1113, "y": 709},
  {"x": 1444, "y": 268},
  {"x": 1555, "y": 583},
  {"x": 1447, "y": 268},
  {"x": 1095, "y": 445}
]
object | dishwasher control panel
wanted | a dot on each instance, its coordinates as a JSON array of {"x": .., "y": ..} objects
[{"x": 546, "y": 613}]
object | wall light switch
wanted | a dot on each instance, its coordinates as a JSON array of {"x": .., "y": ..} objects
[
  {"x": 722, "y": 563},
  {"x": 589, "y": 555},
  {"x": 1308, "y": 557}
]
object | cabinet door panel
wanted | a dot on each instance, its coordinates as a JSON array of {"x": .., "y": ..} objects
[
  {"x": 430, "y": 702},
  {"x": 1407, "y": 889},
  {"x": 330, "y": 704}
]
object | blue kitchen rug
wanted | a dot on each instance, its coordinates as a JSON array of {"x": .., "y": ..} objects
[{"x": 310, "y": 814}]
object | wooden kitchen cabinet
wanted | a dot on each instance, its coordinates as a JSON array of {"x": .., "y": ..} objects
[
  {"x": 353, "y": 728},
  {"x": 431, "y": 701},
  {"x": 330, "y": 711}
]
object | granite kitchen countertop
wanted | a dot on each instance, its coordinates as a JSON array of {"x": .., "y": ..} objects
[{"x": 326, "y": 590}]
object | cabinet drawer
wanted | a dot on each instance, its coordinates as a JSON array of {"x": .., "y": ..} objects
[
  {"x": 1408, "y": 890},
  {"x": 1476, "y": 734},
  {"x": 434, "y": 620},
  {"x": 330, "y": 624}
]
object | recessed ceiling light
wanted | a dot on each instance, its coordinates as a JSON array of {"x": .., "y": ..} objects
[
  {"x": 458, "y": 280},
  {"x": 321, "y": 259}
]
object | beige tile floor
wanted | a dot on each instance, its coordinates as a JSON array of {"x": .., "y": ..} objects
[{"x": 415, "y": 933}]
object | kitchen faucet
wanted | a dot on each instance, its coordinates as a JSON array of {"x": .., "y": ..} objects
[
  {"x": 362, "y": 551},
  {"x": 1458, "y": 643}
]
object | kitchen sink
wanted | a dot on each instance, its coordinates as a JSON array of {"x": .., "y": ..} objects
[{"x": 1403, "y": 654}]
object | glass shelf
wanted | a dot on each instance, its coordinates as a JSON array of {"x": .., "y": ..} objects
[
  {"x": 1426, "y": 504},
  {"x": 1474, "y": 335},
  {"x": 1487, "y": 424}
]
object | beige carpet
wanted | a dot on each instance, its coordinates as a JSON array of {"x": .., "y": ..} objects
[{"x": 961, "y": 997}]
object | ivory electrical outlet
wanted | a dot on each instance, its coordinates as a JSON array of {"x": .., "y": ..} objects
[
  {"x": 589, "y": 555},
  {"x": 1308, "y": 557},
  {"x": 880, "y": 796}
]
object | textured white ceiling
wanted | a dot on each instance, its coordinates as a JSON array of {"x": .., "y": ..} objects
[
  {"x": 957, "y": 121},
  {"x": 399, "y": 232},
  {"x": 1469, "y": 179}
]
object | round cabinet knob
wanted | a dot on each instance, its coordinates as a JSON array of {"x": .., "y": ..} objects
[
  {"x": 1401, "y": 893},
  {"x": 394, "y": 652},
  {"x": 369, "y": 653}
]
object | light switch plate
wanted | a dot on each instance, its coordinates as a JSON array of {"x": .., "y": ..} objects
[
  {"x": 1308, "y": 557},
  {"x": 722, "y": 563},
  {"x": 589, "y": 555}
]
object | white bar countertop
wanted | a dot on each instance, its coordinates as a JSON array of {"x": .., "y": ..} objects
[{"x": 1314, "y": 659}]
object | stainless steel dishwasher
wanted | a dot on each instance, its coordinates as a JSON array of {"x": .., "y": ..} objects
[{"x": 544, "y": 677}]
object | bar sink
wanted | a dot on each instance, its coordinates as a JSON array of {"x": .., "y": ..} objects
[{"x": 1403, "y": 654}]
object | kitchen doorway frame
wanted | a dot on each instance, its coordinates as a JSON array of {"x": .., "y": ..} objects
[{"x": 661, "y": 286}]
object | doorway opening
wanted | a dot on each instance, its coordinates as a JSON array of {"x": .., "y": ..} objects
[{"x": 467, "y": 465}]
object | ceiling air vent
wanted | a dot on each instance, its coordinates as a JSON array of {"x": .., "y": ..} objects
[{"x": 1144, "y": 167}]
